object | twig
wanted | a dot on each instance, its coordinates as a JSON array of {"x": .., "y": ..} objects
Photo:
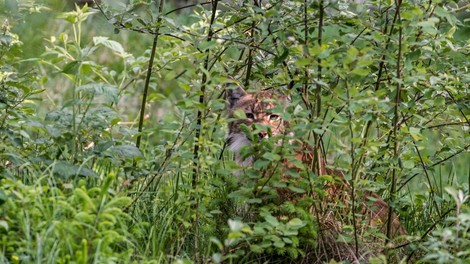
[
  {"x": 446, "y": 124},
  {"x": 393, "y": 185},
  {"x": 149, "y": 75},
  {"x": 198, "y": 134}
]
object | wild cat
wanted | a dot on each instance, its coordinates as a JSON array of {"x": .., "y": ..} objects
[{"x": 258, "y": 109}]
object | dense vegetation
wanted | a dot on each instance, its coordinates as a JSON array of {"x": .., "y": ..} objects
[{"x": 112, "y": 129}]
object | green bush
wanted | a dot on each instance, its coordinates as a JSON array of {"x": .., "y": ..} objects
[{"x": 112, "y": 130}]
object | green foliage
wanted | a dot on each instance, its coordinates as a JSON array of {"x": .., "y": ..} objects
[
  {"x": 451, "y": 243},
  {"x": 380, "y": 89},
  {"x": 48, "y": 223}
]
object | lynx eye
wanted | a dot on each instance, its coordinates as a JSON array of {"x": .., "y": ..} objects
[
  {"x": 250, "y": 115},
  {"x": 274, "y": 117}
]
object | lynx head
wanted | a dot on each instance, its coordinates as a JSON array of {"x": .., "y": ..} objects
[{"x": 258, "y": 108}]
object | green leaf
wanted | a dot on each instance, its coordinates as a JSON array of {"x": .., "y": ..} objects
[
  {"x": 255, "y": 201},
  {"x": 295, "y": 223},
  {"x": 110, "y": 92},
  {"x": 113, "y": 45},
  {"x": 71, "y": 68},
  {"x": 256, "y": 249},
  {"x": 125, "y": 151},
  {"x": 271, "y": 220},
  {"x": 239, "y": 114},
  {"x": 271, "y": 156},
  {"x": 415, "y": 133},
  {"x": 66, "y": 170},
  {"x": 408, "y": 164},
  {"x": 205, "y": 45},
  {"x": 296, "y": 189},
  {"x": 4, "y": 225},
  {"x": 361, "y": 71},
  {"x": 3, "y": 197},
  {"x": 282, "y": 57},
  {"x": 235, "y": 225},
  {"x": 351, "y": 55}
]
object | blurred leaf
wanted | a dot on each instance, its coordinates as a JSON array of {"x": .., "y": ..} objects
[
  {"x": 109, "y": 91},
  {"x": 125, "y": 151},
  {"x": 66, "y": 170}
]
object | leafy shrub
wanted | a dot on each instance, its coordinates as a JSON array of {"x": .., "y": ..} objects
[{"x": 380, "y": 88}]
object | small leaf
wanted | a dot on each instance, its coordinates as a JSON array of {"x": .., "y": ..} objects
[
  {"x": 113, "y": 45},
  {"x": 408, "y": 164},
  {"x": 3, "y": 197},
  {"x": 271, "y": 220},
  {"x": 295, "y": 223},
  {"x": 361, "y": 71},
  {"x": 110, "y": 92},
  {"x": 271, "y": 156},
  {"x": 296, "y": 189},
  {"x": 415, "y": 133},
  {"x": 205, "y": 45},
  {"x": 71, "y": 68},
  {"x": 4, "y": 224},
  {"x": 235, "y": 225}
]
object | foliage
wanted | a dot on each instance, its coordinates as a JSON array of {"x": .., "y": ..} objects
[
  {"x": 48, "y": 223},
  {"x": 451, "y": 243},
  {"x": 379, "y": 88}
]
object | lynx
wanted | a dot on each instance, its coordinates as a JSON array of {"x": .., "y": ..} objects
[{"x": 258, "y": 109}]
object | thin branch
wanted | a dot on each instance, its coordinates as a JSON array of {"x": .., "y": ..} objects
[
  {"x": 186, "y": 6},
  {"x": 149, "y": 75},
  {"x": 393, "y": 185},
  {"x": 199, "y": 129},
  {"x": 451, "y": 156},
  {"x": 446, "y": 124},
  {"x": 382, "y": 67}
]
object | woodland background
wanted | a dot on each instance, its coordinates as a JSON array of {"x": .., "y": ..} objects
[{"x": 112, "y": 126}]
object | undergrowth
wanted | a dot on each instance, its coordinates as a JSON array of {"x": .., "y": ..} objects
[{"x": 112, "y": 129}]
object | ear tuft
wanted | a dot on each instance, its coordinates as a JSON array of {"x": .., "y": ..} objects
[{"x": 234, "y": 94}]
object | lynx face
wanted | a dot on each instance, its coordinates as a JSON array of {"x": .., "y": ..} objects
[{"x": 258, "y": 110}]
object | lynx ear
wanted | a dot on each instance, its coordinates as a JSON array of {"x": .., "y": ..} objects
[{"x": 234, "y": 94}]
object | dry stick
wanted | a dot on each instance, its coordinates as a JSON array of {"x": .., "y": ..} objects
[
  {"x": 395, "y": 126},
  {"x": 198, "y": 134}
]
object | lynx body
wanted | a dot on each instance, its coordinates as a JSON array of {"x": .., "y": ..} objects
[{"x": 257, "y": 109}]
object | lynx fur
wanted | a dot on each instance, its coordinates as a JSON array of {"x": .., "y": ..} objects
[{"x": 257, "y": 110}]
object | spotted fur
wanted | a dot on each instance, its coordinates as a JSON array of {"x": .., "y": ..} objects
[{"x": 257, "y": 109}]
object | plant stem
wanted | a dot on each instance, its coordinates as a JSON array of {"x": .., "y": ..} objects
[
  {"x": 198, "y": 134},
  {"x": 395, "y": 126},
  {"x": 149, "y": 75}
]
